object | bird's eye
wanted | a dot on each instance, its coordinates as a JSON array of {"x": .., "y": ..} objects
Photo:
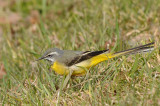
[
  {"x": 49, "y": 55},
  {"x": 52, "y": 54}
]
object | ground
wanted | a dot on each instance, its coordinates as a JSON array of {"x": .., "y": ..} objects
[{"x": 29, "y": 27}]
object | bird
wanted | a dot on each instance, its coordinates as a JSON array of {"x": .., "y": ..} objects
[{"x": 77, "y": 63}]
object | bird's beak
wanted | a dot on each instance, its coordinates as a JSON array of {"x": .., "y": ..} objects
[{"x": 40, "y": 58}]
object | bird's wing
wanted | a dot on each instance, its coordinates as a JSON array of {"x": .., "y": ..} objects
[{"x": 83, "y": 56}]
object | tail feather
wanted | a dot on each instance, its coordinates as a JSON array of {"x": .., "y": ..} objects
[{"x": 144, "y": 48}]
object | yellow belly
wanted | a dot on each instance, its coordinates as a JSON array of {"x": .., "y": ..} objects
[{"x": 80, "y": 68}]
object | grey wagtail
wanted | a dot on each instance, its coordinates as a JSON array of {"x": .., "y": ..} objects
[{"x": 65, "y": 61}]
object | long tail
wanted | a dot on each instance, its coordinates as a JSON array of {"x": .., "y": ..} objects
[
  {"x": 105, "y": 56},
  {"x": 140, "y": 49}
]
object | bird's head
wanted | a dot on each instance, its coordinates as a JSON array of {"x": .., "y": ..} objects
[{"x": 51, "y": 54}]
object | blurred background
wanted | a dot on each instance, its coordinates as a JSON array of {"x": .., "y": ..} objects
[{"x": 29, "y": 27}]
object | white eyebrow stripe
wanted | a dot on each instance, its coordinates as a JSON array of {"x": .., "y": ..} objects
[{"x": 52, "y": 53}]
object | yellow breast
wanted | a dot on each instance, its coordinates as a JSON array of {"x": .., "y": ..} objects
[{"x": 79, "y": 69}]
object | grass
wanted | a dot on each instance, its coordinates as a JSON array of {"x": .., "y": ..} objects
[{"x": 79, "y": 25}]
